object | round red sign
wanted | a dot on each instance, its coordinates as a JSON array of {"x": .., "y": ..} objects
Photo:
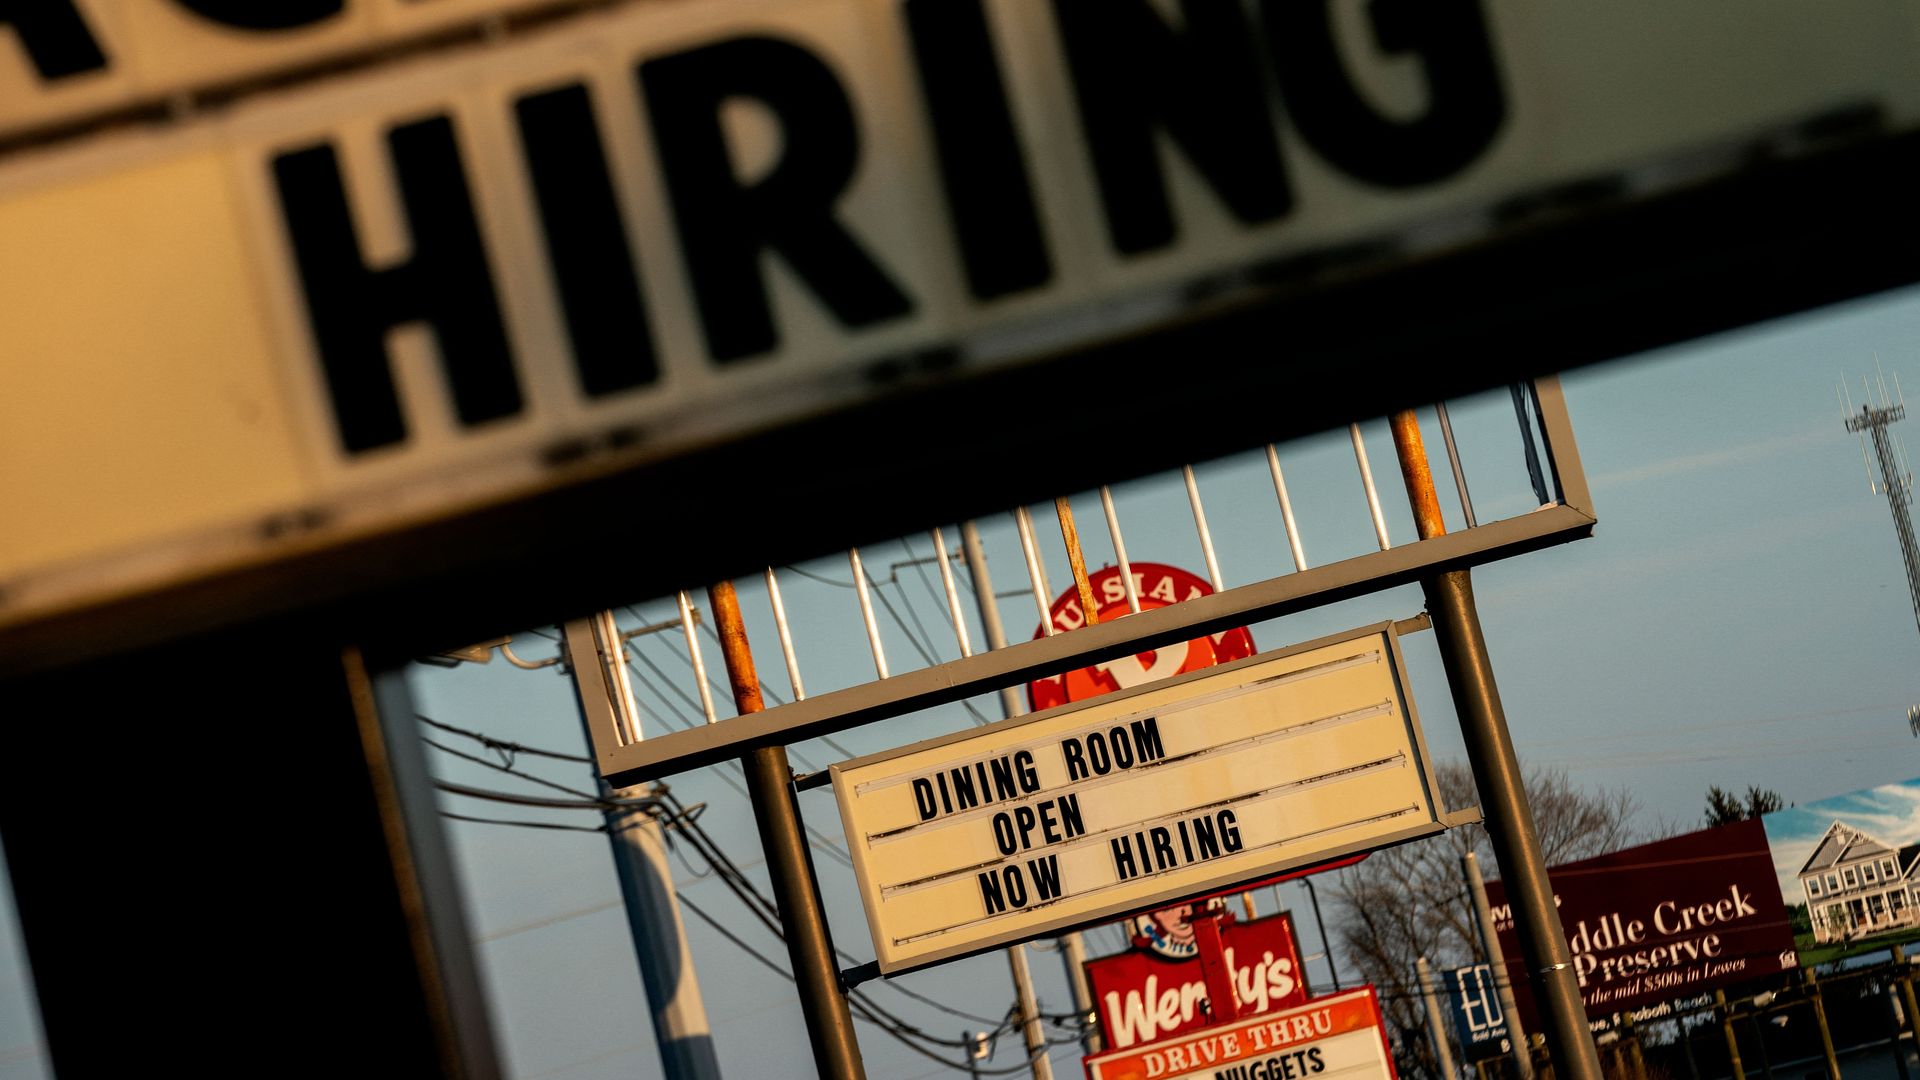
[{"x": 1158, "y": 586}]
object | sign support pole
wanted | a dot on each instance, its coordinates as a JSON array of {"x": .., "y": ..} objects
[
  {"x": 1820, "y": 1019},
  {"x": 1435, "y": 1026},
  {"x": 823, "y": 1001},
  {"x": 1073, "y": 949},
  {"x": 1496, "y": 772},
  {"x": 1221, "y": 1004}
]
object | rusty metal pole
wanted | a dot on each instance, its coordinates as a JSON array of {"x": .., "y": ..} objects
[
  {"x": 1070, "y": 536},
  {"x": 1496, "y": 773},
  {"x": 823, "y": 1001}
]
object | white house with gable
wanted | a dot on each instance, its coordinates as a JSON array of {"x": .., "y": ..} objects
[{"x": 1855, "y": 886}]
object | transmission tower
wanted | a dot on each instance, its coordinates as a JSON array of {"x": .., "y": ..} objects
[{"x": 1888, "y": 474}]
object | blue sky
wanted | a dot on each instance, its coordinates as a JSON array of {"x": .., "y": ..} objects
[{"x": 1739, "y": 617}]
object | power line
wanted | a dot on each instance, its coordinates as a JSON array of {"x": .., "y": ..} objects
[
  {"x": 524, "y": 824},
  {"x": 509, "y": 770},
  {"x": 501, "y": 744}
]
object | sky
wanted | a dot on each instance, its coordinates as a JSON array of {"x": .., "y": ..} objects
[{"x": 1739, "y": 617}]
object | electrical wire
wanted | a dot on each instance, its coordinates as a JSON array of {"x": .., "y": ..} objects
[
  {"x": 492, "y": 743},
  {"x": 524, "y": 824},
  {"x": 510, "y": 770}
]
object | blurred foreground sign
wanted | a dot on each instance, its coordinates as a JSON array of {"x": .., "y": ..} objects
[
  {"x": 1135, "y": 799},
  {"x": 1340, "y": 1035},
  {"x": 436, "y": 280}
]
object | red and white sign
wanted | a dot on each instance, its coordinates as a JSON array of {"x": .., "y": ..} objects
[
  {"x": 1144, "y": 995},
  {"x": 1158, "y": 585},
  {"x": 1339, "y": 1035}
]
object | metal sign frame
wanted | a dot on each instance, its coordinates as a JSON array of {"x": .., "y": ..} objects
[{"x": 1569, "y": 517}]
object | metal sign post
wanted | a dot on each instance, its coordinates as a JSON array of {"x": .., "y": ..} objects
[
  {"x": 770, "y": 784},
  {"x": 1496, "y": 773}
]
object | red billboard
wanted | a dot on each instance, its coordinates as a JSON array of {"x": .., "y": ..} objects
[
  {"x": 1157, "y": 585},
  {"x": 1155, "y": 990},
  {"x": 1670, "y": 919}
]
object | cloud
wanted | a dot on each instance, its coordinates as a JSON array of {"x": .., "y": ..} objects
[{"x": 1712, "y": 459}]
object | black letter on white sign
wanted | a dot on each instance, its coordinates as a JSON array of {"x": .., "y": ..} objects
[
  {"x": 55, "y": 36},
  {"x": 1465, "y": 105},
  {"x": 982, "y": 168},
  {"x": 724, "y": 224},
  {"x": 445, "y": 283},
  {"x": 254, "y": 15},
  {"x": 592, "y": 261},
  {"x": 1131, "y": 72}
]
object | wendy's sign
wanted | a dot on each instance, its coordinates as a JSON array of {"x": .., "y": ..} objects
[
  {"x": 1143, "y": 995},
  {"x": 1663, "y": 920}
]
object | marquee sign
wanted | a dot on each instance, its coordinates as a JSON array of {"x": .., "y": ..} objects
[
  {"x": 457, "y": 276},
  {"x": 1339, "y": 1035},
  {"x": 1095, "y": 809}
]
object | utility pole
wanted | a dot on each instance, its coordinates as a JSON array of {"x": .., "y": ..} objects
[
  {"x": 816, "y": 975},
  {"x": 1072, "y": 949},
  {"x": 1497, "y": 961},
  {"x": 1496, "y": 773},
  {"x": 596, "y": 654}
]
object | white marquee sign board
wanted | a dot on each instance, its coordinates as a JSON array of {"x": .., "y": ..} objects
[
  {"x": 1096, "y": 809},
  {"x": 461, "y": 275}
]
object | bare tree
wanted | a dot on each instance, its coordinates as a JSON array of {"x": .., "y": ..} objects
[{"x": 1411, "y": 901}]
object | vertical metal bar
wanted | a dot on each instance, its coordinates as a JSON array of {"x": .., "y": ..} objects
[
  {"x": 1459, "y": 469},
  {"x": 1042, "y": 594},
  {"x": 785, "y": 633},
  {"x": 1120, "y": 550},
  {"x": 1905, "y": 981},
  {"x": 836, "y": 1051},
  {"x": 1326, "y": 946},
  {"x": 1200, "y": 525},
  {"x": 1366, "y": 480},
  {"x": 866, "y": 612},
  {"x": 976, "y": 556},
  {"x": 1070, "y": 536},
  {"x": 1286, "y": 509},
  {"x": 1436, "y": 1027},
  {"x": 953, "y": 594},
  {"x": 1496, "y": 962},
  {"x": 693, "y": 653}
]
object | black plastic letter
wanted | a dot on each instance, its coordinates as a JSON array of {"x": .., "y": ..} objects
[
  {"x": 1465, "y": 104},
  {"x": 444, "y": 282},
  {"x": 989, "y": 198},
  {"x": 55, "y": 36},
  {"x": 724, "y": 224},
  {"x": 592, "y": 261},
  {"x": 1132, "y": 73},
  {"x": 256, "y": 15}
]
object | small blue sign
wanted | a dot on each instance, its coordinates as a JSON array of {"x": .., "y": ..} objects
[{"x": 1477, "y": 1016}]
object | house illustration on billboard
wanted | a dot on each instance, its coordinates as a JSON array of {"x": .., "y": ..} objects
[{"x": 1855, "y": 885}]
